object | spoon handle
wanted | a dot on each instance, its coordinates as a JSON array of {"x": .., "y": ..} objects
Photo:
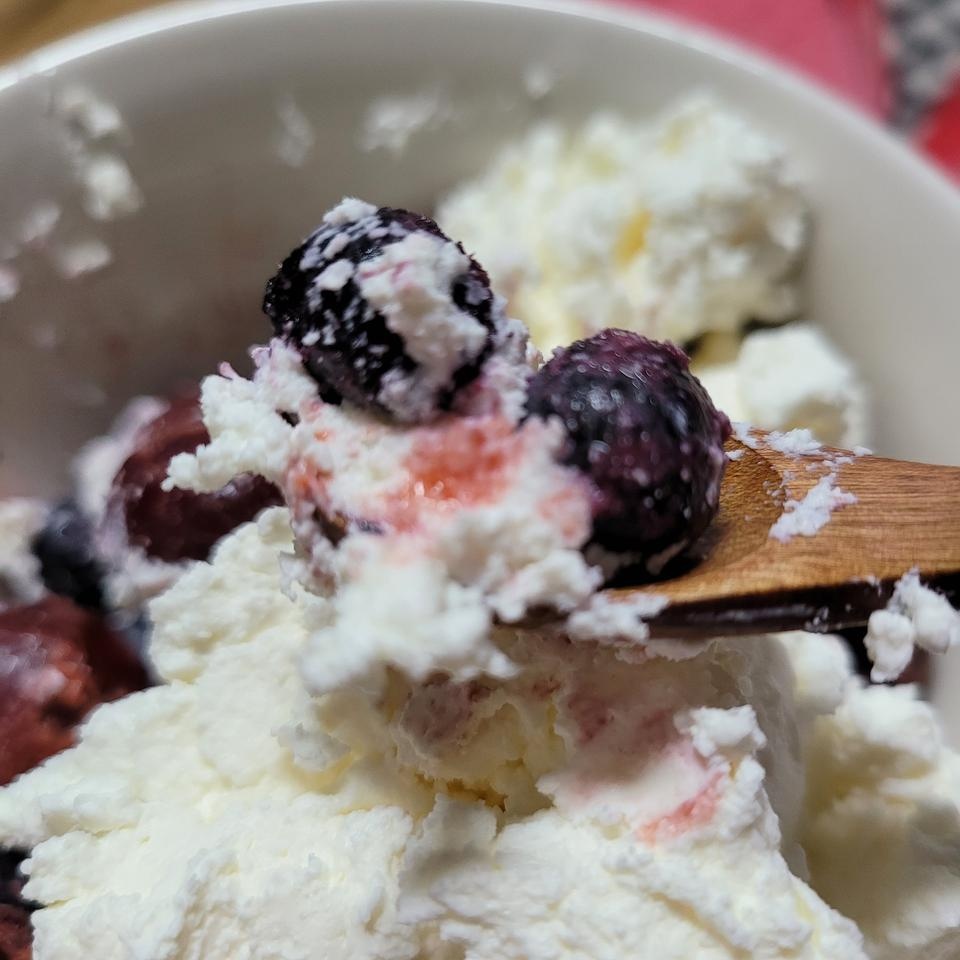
[{"x": 906, "y": 515}]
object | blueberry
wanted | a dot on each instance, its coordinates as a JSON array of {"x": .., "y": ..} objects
[
  {"x": 402, "y": 365},
  {"x": 175, "y": 525},
  {"x": 68, "y": 562},
  {"x": 644, "y": 431}
]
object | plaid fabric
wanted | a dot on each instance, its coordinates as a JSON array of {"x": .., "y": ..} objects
[{"x": 924, "y": 50}]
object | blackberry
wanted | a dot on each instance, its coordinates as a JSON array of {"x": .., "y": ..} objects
[
  {"x": 174, "y": 525},
  {"x": 389, "y": 356},
  {"x": 645, "y": 432},
  {"x": 68, "y": 562}
]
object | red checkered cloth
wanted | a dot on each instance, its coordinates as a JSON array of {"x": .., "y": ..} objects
[
  {"x": 897, "y": 59},
  {"x": 837, "y": 42}
]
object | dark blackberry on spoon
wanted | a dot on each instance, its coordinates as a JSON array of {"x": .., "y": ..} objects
[{"x": 645, "y": 432}]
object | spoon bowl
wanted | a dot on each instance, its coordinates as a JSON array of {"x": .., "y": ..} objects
[{"x": 876, "y": 520}]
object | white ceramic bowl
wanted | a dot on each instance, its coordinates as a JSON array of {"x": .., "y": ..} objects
[{"x": 200, "y": 89}]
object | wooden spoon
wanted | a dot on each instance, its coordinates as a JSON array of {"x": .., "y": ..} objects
[{"x": 906, "y": 516}]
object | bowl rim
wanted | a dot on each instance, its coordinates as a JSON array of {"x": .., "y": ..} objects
[{"x": 789, "y": 81}]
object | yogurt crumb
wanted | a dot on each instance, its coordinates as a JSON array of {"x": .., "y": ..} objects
[
  {"x": 741, "y": 432},
  {"x": 611, "y": 619},
  {"x": 390, "y": 122},
  {"x": 92, "y": 116},
  {"x": 90, "y": 128},
  {"x": 20, "y": 579},
  {"x": 39, "y": 223},
  {"x": 9, "y": 283},
  {"x": 809, "y": 516},
  {"x": 109, "y": 188},
  {"x": 539, "y": 80},
  {"x": 81, "y": 257},
  {"x": 296, "y": 137},
  {"x": 793, "y": 443},
  {"x": 916, "y": 616}
]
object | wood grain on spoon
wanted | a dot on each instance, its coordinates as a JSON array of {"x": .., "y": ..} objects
[{"x": 907, "y": 515}]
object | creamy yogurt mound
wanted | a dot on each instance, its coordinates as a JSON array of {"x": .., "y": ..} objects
[
  {"x": 687, "y": 223},
  {"x": 688, "y": 226},
  {"x": 363, "y": 747},
  {"x": 655, "y": 806},
  {"x": 212, "y": 811},
  {"x": 786, "y": 378}
]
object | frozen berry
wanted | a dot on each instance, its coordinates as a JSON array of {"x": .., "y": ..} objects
[
  {"x": 387, "y": 312},
  {"x": 645, "y": 432},
  {"x": 11, "y": 880},
  {"x": 59, "y": 662},
  {"x": 178, "y": 524},
  {"x": 68, "y": 561},
  {"x": 15, "y": 933}
]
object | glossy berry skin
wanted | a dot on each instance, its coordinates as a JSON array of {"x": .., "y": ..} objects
[
  {"x": 176, "y": 525},
  {"x": 68, "y": 562},
  {"x": 60, "y": 661},
  {"x": 16, "y": 934},
  {"x": 641, "y": 427},
  {"x": 345, "y": 343}
]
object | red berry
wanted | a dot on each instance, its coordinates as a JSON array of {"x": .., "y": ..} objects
[
  {"x": 174, "y": 525},
  {"x": 60, "y": 662}
]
